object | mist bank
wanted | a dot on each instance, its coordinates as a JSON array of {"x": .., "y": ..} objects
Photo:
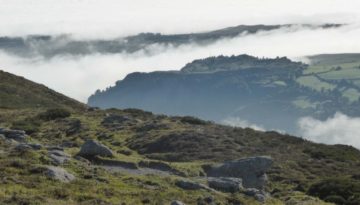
[
  {"x": 111, "y": 18},
  {"x": 46, "y": 46},
  {"x": 80, "y": 75},
  {"x": 337, "y": 129}
]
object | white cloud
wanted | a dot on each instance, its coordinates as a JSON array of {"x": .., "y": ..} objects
[
  {"x": 339, "y": 129},
  {"x": 238, "y": 122}
]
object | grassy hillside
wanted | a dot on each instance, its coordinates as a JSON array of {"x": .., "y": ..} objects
[
  {"x": 302, "y": 170},
  {"x": 17, "y": 92}
]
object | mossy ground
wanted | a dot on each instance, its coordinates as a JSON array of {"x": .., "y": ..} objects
[{"x": 298, "y": 163}]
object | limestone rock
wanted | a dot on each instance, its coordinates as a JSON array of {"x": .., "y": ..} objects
[
  {"x": 59, "y": 174},
  {"x": 225, "y": 184},
  {"x": 190, "y": 185},
  {"x": 251, "y": 170},
  {"x": 17, "y": 135},
  {"x": 92, "y": 148},
  {"x": 259, "y": 195}
]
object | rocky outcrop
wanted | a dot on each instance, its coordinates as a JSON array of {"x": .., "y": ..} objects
[
  {"x": 92, "y": 148},
  {"x": 251, "y": 170},
  {"x": 59, "y": 174},
  {"x": 17, "y": 135},
  {"x": 225, "y": 184}
]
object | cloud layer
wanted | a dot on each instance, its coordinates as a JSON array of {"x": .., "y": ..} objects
[
  {"x": 113, "y": 18},
  {"x": 80, "y": 76},
  {"x": 339, "y": 129}
]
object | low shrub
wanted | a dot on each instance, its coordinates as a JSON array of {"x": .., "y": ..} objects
[
  {"x": 339, "y": 190},
  {"x": 53, "y": 114},
  {"x": 30, "y": 125},
  {"x": 193, "y": 120}
]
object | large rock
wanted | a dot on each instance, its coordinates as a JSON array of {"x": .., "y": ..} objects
[
  {"x": 92, "y": 148},
  {"x": 17, "y": 135},
  {"x": 251, "y": 170},
  {"x": 225, "y": 184},
  {"x": 59, "y": 174}
]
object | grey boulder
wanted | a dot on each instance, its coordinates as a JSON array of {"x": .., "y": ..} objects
[
  {"x": 59, "y": 174},
  {"x": 190, "y": 185},
  {"x": 17, "y": 135},
  {"x": 27, "y": 146},
  {"x": 92, "y": 148},
  {"x": 225, "y": 184},
  {"x": 259, "y": 195},
  {"x": 251, "y": 170}
]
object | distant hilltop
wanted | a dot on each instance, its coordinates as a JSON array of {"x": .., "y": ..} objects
[{"x": 225, "y": 63}]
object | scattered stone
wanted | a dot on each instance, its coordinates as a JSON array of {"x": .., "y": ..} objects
[
  {"x": 17, "y": 135},
  {"x": 74, "y": 126},
  {"x": 27, "y": 146},
  {"x": 259, "y": 195},
  {"x": 112, "y": 119},
  {"x": 55, "y": 148},
  {"x": 92, "y": 148},
  {"x": 225, "y": 184},
  {"x": 36, "y": 146},
  {"x": 209, "y": 199},
  {"x": 59, "y": 174},
  {"x": 116, "y": 122},
  {"x": 82, "y": 159},
  {"x": 190, "y": 185},
  {"x": 58, "y": 157},
  {"x": 161, "y": 166},
  {"x": 22, "y": 147},
  {"x": 252, "y": 170},
  {"x": 177, "y": 203}
]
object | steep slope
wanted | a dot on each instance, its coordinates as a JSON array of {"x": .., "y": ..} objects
[
  {"x": 152, "y": 153},
  {"x": 273, "y": 93},
  {"x": 17, "y": 92}
]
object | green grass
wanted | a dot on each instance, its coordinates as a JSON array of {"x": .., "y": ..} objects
[
  {"x": 184, "y": 143},
  {"x": 314, "y": 83},
  {"x": 342, "y": 74},
  {"x": 352, "y": 95}
]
